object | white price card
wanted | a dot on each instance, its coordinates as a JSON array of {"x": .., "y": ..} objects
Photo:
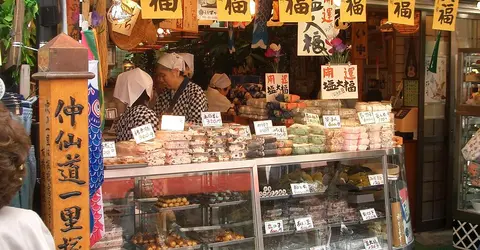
[
  {"x": 109, "y": 150},
  {"x": 303, "y": 223},
  {"x": 368, "y": 214},
  {"x": 376, "y": 179},
  {"x": 332, "y": 121},
  {"x": 263, "y": 127},
  {"x": 381, "y": 116},
  {"x": 275, "y": 226},
  {"x": 312, "y": 119},
  {"x": 173, "y": 123},
  {"x": 366, "y": 117},
  {"x": 320, "y": 248},
  {"x": 300, "y": 188},
  {"x": 371, "y": 244},
  {"x": 143, "y": 133},
  {"x": 247, "y": 133},
  {"x": 212, "y": 119},
  {"x": 280, "y": 132}
]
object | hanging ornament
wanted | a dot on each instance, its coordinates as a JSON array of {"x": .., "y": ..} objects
[
  {"x": 121, "y": 11},
  {"x": 432, "y": 67},
  {"x": 263, "y": 11},
  {"x": 231, "y": 41}
]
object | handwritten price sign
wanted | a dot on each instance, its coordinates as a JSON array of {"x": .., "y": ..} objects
[
  {"x": 275, "y": 226},
  {"x": 381, "y": 116},
  {"x": 332, "y": 121},
  {"x": 263, "y": 127},
  {"x": 371, "y": 244},
  {"x": 109, "y": 150},
  {"x": 376, "y": 179},
  {"x": 311, "y": 119},
  {"x": 368, "y": 214},
  {"x": 280, "y": 132},
  {"x": 300, "y": 188},
  {"x": 366, "y": 117},
  {"x": 173, "y": 122},
  {"x": 212, "y": 119},
  {"x": 143, "y": 133},
  {"x": 304, "y": 223}
]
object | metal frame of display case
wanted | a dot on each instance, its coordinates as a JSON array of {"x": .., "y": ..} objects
[
  {"x": 252, "y": 165},
  {"x": 461, "y": 109}
]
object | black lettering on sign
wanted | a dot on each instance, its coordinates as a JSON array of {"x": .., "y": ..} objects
[
  {"x": 72, "y": 110},
  {"x": 65, "y": 196},
  {"x": 402, "y": 9},
  {"x": 70, "y": 217},
  {"x": 69, "y": 170},
  {"x": 237, "y": 6},
  {"x": 164, "y": 5}
]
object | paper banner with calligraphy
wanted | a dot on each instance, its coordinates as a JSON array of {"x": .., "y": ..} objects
[
  {"x": 445, "y": 15},
  {"x": 360, "y": 40},
  {"x": 312, "y": 35},
  {"x": 401, "y": 11},
  {"x": 234, "y": 10},
  {"x": 353, "y": 11},
  {"x": 207, "y": 9},
  {"x": 188, "y": 23},
  {"x": 161, "y": 9},
  {"x": 276, "y": 83},
  {"x": 127, "y": 27},
  {"x": 339, "y": 82},
  {"x": 295, "y": 10}
]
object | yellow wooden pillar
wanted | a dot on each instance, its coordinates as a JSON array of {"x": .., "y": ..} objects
[{"x": 63, "y": 75}]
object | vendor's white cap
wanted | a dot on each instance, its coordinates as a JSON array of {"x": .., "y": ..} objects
[
  {"x": 220, "y": 81},
  {"x": 188, "y": 58},
  {"x": 172, "y": 61},
  {"x": 131, "y": 84}
]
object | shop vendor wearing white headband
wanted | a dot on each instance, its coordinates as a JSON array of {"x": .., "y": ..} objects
[
  {"x": 183, "y": 98},
  {"x": 135, "y": 89},
  {"x": 216, "y": 93}
]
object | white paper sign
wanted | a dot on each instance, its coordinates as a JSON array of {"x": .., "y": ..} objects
[
  {"x": 381, "y": 116},
  {"x": 368, "y": 214},
  {"x": 300, "y": 188},
  {"x": 247, "y": 132},
  {"x": 143, "y": 133},
  {"x": 366, "y": 117},
  {"x": 376, "y": 179},
  {"x": 2, "y": 87},
  {"x": 212, "y": 119},
  {"x": 371, "y": 244},
  {"x": 312, "y": 119},
  {"x": 320, "y": 248},
  {"x": 275, "y": 226},
  {"x": 280, "y": 132},
  {"x": 304, "y": 223},
  {"x": 207, "y": 10},
  {"x": 313, "y": 36},
  {"x": 276, "y": 83},
  {"x": 332, "y": 121},
  {"x": 109, "y": 150},
  {"x": 262, "y": 127},
  {"x": 173, "y": 123},
  {"x": 339, "y": 82}
]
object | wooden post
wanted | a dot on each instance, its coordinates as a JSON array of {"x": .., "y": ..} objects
[{"x": 63, "y": 75}]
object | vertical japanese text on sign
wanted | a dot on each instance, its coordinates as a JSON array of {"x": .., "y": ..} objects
[
  {"x": 401, "y": 11},
  {"x": 353, "y": 11},
  {"x": 161, "y": 9},
  {"x": 233, "y": 10},
  {"x": 276, "y": 83},
  {"x": 295, "y": 10},
  {"x": 339, "y": 82},
  {"x": 445, "y": 15}
]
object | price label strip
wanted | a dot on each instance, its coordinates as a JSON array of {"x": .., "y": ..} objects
[
  {"x": 332, "y": 121},
  {"x": 368, "y": 214},
  {"x": 376, "y": 179},
  {"x": 212, "y": 119},
  {"x": 143, "y": 133},
  {"x": 109, "y": 150},
  {"x": 371, "y": 244},
  {"x": 304, "y": 223},
  {"x": 366, "y": 117},
  {"x": 275, "y": 226},
  {"x": 280, "y": 132},
  {"x": 300, "y": 188},
  {"x": 381, "y": 116},
  {"x": 263, "y": 127}
]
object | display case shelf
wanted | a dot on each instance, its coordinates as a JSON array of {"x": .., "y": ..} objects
[
  {"x": 230, "y": 243},
  {"x": 227, "y": 203}
]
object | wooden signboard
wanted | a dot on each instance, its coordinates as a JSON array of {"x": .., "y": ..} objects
[
  {"x": 64, "y": 142},
  {"x": 189, "y": 22}
]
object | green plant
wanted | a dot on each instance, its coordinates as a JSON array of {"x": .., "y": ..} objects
[{"x": 7, "y": 9}]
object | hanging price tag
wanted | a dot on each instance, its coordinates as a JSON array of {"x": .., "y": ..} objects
[
  {"x": 366, "y": 117},
  {"x": 368, "y": 214},
  {"x": 300, "y": 188},
  {"x": 376, "y": 179},
  {"x": 332, "y": 121},
  {"x": 381, "y": 116},
  {"x": 143, "y": 133},
  {"x": 109, "y": 150},
  {"x": 173, "y": 123},
  {"x": 312, "y": 119},
  {"x": 280, "y": 132},
  {"x": 212, "y": 119},
  {"x": 371, "y": 244},
  {"x": 304, "y": 223},
  {"x": 275, "y": 226},
  {"x": 263, "y": 127}
]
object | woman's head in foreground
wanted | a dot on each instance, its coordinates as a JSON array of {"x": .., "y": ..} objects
[{"x": 14, "y": 148}]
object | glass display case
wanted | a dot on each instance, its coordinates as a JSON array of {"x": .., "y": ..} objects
[
  {"x": 321, "y": 201},
  {"x": 467, "y": 154}
]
